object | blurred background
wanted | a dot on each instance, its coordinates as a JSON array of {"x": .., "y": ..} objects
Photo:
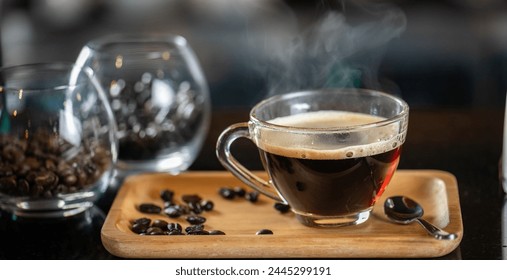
[{"x": 450, "y": 53}]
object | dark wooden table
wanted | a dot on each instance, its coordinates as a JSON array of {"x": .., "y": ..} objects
[{"x": 465, "y": 142}]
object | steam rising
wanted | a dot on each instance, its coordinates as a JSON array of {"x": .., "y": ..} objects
[{"x": 342, "y": 49}]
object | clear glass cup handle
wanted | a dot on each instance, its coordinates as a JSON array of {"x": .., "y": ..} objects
[{"x": 225, "y": 156}]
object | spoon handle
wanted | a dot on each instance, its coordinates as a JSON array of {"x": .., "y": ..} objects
[{"x": 435, "y": 231}]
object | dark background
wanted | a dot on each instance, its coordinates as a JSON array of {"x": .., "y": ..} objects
[
  {"x": 451, "y": 54},
  {"x": 449, "y": 64}
]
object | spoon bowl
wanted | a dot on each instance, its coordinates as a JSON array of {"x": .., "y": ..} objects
[{"x": 403, "y": 210}]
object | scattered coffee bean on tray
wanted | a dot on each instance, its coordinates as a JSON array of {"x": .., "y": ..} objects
[
  {"x": 196, "y": 220},
  {"x": 231, "y": 193},
  {"x": 194, "y": 228},
  {"x": 207, "y": 205},
  {"x": 174, "y": 227},
  {"x": 282, "y": 207},
  {"x": 175, "y": 233},
  {"x": 154, "y": 231},
  {"x": 264, "y": 231},
  {"x": 172, "y": 212},
  {"x": 227, "y": 193},
  {"x": 189, "y": 198},
  {"x": 216, "y": 232},
  {"x": 167, "y": 195},
  {"x": 252, "y": 196},
  {"x": 198, "y": 232},
  {"x": 139, "y": 228},
  {"x": 141, "y": 225},
  {"x": 143, "y": 221},
  {"x": 195, "y": 207},
  {"x": 160, "y": 224},
  {"x": 239, "y": 191},
  {"x": 149, "y": 208}
]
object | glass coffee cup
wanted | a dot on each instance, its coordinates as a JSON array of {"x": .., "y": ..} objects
[{"x": 329, "y": 153}]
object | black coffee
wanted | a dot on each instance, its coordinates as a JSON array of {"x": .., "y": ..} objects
[{"x": 330, "y": 182}]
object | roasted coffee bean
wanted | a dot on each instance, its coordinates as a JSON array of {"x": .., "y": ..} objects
[
  {"x": 227, "y": 193},
  {"x": 62, "y": 189},
  {"x": 168, "y": 204},
  {"x": 196, "y": 220},
  {"x": 282, "y": 207},
  {"x": 5, "y": 171},
  {"x": 194, "y": 228},
  {"x": 139, "y": 228},
  {"x": 252, "y": 196},
  {"x": 154, "y": 231},
  {"x": 141, "y": 225},
  {"x": 195, "y": 207},
  {"x": 46, "y": 179},
  {"x": 160, "y": 224},
  {"x": 32, "y": 162},
  {"x": 207, "y": 205},
  {"x": 12, "y": 153},
  {"x": 198, "y": 232},
  {"x": 239, "y": 191},
  {"x": 216, "y": 232},
  {"x": 264, "y": 231},
  {"x": 64, "y": 169},
  {"x": 70, "y": 179},
  {"x": 81, "y": 176},
  {"x": 23, "y": 186},
  {"x": 172, "y": 212},
  {"x": 174, "y": 227},
  {"x": 50, "y": 165},
  {"x": 149, "y": 208},
  {"x": 175, "y": 233},
  {"x": 143, "y": 221},
  {"x": 22, "y": 170},
  {"x": 167, "y": 195},
  {"x": 191, "y": 198},
  {"x": 183, "y": 209},
  {"x": 8, "y": 182}
]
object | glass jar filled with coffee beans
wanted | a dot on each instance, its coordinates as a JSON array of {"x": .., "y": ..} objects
[{"x": 57, "y": 140}]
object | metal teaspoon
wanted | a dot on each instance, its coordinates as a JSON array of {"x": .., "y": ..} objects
[{"x": 404, "y": 210}]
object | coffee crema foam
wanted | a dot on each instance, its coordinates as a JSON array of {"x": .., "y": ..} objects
[{"x": 311, "y": 146}]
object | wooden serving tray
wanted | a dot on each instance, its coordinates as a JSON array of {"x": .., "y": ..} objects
[{"x": 437, "y": 191}]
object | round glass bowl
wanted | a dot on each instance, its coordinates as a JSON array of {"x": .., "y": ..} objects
[
  {"x": 57, "y": 140},
  {"x": 159, "y": 98}
]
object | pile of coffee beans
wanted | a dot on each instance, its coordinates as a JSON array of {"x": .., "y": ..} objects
[
  {"x": 45, "y": 165},
  {"x": 145, "y": 226},
  {"x": 154, "y": 114},
  {"x": 192, "y": 206}
]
